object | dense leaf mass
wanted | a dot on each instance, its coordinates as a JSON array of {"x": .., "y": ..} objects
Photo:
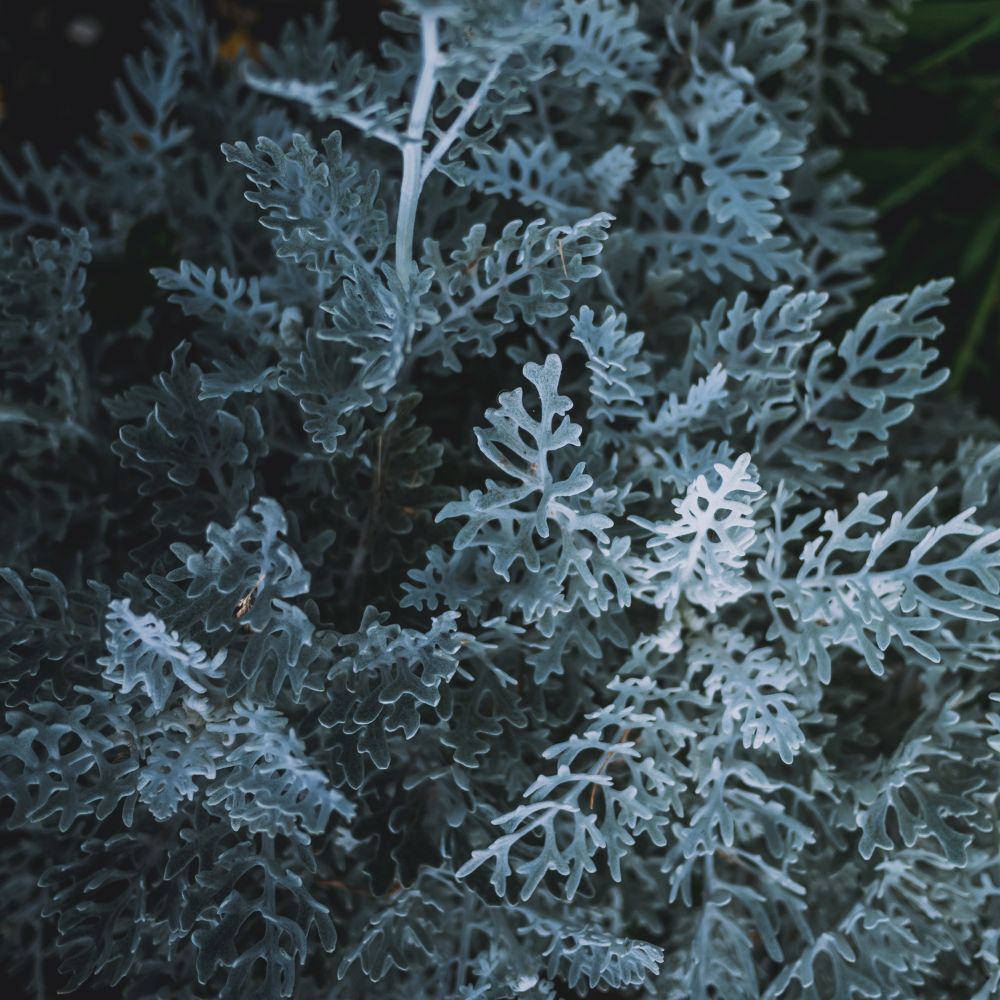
[{"x": 503, "y": 558}]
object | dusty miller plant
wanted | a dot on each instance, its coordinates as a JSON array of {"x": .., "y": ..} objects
[{"x": 504, "y": 559}]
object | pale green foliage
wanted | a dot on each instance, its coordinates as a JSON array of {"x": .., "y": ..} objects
[
  {"x": 142, "y": 652},
  {"x": 701, "y": 554},
  {"x": 537, "y": 571},
  {"x": 576, "y": 558}
]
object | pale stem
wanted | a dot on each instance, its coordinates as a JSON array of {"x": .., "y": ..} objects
[
  {"x": 447, "y": 140},
  {"x": 413, "y": 142}
]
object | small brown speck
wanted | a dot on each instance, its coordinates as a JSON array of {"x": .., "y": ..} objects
[{"x": 247, "y": 600}]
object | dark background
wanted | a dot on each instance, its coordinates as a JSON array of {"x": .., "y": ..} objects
[
  {"x": 928, "y": 152},
  {"x": 929, "y": 156}
]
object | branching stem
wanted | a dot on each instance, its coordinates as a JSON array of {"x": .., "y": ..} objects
[
  {"x": 462, "y": 119},
  {"x": 413, "y": 143}
]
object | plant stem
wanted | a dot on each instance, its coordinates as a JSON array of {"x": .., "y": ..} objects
[
  {"x": 832, "y": 391},
  {"x": 471, "y": 106},
  {"x": 967, "y": 352},
  {"x": 413, "y": 141},
  {"x": 364, "y": 539}
]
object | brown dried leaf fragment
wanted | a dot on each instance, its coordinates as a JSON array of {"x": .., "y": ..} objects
[{"x": 247, "y": 600}]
